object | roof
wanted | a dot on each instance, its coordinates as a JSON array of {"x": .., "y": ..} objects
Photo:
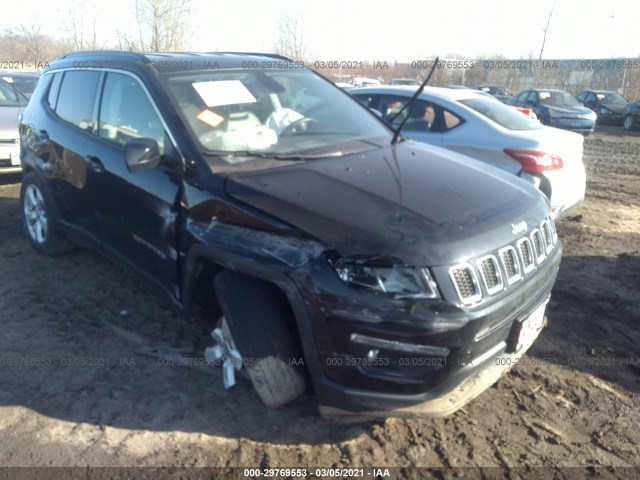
[{"x": 166, "y": 62}]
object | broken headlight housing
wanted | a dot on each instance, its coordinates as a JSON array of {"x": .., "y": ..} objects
[{"x": 397, "y": 281}]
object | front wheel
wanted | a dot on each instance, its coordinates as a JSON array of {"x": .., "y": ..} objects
[
  {"x": 40, "y": 218},
  {"x": 257, "y": 317},
  {"x": 627, "y": 123}
]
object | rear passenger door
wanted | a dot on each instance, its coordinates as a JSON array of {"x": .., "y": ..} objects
[{"x": 136, "y": 212}]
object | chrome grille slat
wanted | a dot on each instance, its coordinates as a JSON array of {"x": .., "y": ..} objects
[
  {"x": 526, "y": 254},
  {"x": 539, "y": 247},
  {"x": 490, "y": 273},
  {"x": 512, "y": 262},
  {"x": 466, "y": 283}
]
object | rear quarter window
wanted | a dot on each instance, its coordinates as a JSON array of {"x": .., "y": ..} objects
[{"x": 77, "y": 98}]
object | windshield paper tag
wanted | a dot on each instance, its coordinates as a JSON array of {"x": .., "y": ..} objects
[
  {"x": 223, "y": 92},
  {"x": 210, "y": 118}
]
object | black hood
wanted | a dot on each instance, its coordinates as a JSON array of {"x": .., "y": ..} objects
[{"x": 419, "y": 204}]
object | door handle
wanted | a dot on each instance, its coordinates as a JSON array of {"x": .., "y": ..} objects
[{"x": 94, "y": 163}]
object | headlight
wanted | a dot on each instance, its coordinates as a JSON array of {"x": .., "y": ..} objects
[
  {"x": 397, "y": 281},
  {"x": 591, "y": 116}
]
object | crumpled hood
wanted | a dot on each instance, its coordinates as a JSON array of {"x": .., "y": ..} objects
[
  {"x": 9, "y": 122},
  {"x": 420, "y": 204}
]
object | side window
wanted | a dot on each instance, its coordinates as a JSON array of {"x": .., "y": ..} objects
[
  {"x": 54, "y": 90},
  {"x": 520, "y": 97},
  {"x": 532, "y": 97},
  {"x": 126, "y": 112},
  {"x": 451, "y": 120},
  {"x": 390, "y": 105},
  {"x": 77, "y": 98},
  {"x": 421, "y": 118},
  {"x": 366, "y": 100}
]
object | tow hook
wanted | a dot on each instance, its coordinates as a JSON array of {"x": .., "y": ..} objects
[{"x": 226, "y": 351}]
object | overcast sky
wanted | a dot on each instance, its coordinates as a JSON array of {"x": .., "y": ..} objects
[{"x": 396, "y": 29}]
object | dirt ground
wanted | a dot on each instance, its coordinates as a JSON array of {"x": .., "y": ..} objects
[{"x": 81, "y": 383}]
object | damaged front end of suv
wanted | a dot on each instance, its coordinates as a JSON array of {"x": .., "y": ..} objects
[{"x": 395, "y": 278}]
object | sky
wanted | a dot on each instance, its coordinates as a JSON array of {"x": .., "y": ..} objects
[{"x": 401, "y": 30}]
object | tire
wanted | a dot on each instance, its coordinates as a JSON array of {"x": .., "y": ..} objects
[
  {"x": 627, "y": 123},
  {"x": 257, "y": 320},
  {"x": 40, "y": 218}
]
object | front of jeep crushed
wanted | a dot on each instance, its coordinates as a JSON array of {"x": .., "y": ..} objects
[
  {"x": 426, "y": 296},
  {"x": 416, "y": 275}
]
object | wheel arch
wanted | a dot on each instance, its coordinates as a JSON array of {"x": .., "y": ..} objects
[{"x": 204, "y": 263}]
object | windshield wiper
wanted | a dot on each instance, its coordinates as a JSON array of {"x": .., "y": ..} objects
[
  {"x": 410, "y": 104},
  {"x": 270, "y": 156}
]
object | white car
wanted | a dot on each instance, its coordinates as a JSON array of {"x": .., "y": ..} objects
[
  {"x": 11, "y": 104},
  {"x": 488, "y": 130}
]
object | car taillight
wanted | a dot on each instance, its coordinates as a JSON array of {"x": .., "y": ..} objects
[{"x": 533, "y": 161}]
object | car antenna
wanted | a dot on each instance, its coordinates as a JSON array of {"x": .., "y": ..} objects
[{"x": 410, "y": 104}]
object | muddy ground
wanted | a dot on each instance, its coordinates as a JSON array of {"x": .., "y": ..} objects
[{"x": 81, "y": 383}]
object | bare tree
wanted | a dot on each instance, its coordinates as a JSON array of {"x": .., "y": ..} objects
[
  {"x": 544, "y": 37},
  {"x": 290, "y": 41},
  {"x": 80, "y": 25},
  {"x": 163, "y": 26},
  {"x": 26, "y": 43}
]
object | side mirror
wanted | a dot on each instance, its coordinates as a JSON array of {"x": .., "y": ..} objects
[{"x": 141, "y": 154}]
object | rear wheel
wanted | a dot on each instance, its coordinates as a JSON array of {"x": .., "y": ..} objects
[
  {"x": 627, "y": 123},
  {"x": 40, "y": 218},
  {"x": 257, "y": 318}
]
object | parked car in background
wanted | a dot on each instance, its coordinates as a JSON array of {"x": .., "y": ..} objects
[
  {"x": 631, "y": 115},
  {"x": 23, "y": 81},
  {"x": 403, "y": 81},
  {"x": 396, "y": 277},
  {"x": 609, "y": 106},
  {"x": 557, "y": 108},
  {"x": 500, "y": 93},
  {"x": 467, "y": 122},
  {"x": 12, "y": 102},
  {"x": 364, "y": 82},
  {"x": 463, "y": 87}
]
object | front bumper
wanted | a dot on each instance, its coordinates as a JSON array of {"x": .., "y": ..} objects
[
  {"x": 458, "y": 390},
  {"x": 575, "y": 125},
  {"x": 475, "y": 343},
  {"x": 10, "y": 156}
]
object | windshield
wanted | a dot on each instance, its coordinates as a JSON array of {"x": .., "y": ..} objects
[
  {"x": 612, "y": 99},
  {"x": 503, "y": 115},
  {"x": 253, "y": 116},
  {"x": 558, "y": 99},
  {"x": 9, "y": 97}
]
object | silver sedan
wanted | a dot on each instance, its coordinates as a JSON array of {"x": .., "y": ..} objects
[{"x": 487, "y": 130}]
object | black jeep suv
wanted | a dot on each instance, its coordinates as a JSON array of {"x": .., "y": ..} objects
[{"x": 394, "y": 277}]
